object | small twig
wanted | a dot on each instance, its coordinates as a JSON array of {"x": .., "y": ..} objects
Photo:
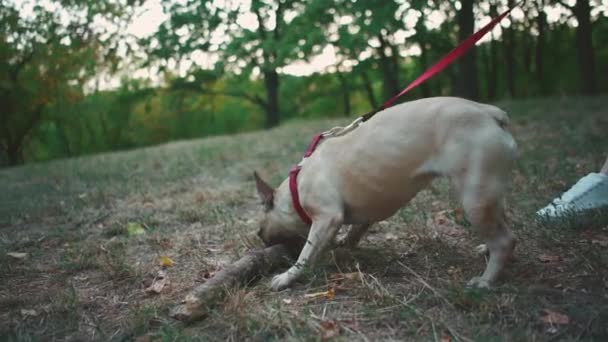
[
  {"x": 425, "y": 284},
  {"x": 587, "y": 325},
  {"x": 434, "y": 331}
]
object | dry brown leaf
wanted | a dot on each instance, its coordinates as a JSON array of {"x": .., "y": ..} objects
[
  {"x": 356, "y": 276},
  {"x": 330, "y": 329},
  {"x": 446, "y": 222},
  {"x": 329, "y": 294},
  {"x": 159, "y": 282},
  {"x": 548, "y": 258},
  {"x": 553, "y": 317},
  {"x": 165, "y": 261},
  {"x": 17, "y": 255},
  {"x": 200, "y": 197},
  {"x": 446, "y": 338}
]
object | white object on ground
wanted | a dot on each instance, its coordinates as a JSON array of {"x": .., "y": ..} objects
[{"x": 590, "y": 192}]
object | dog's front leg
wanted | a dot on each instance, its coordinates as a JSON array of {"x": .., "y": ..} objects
[{"x": 322, "y": 232}]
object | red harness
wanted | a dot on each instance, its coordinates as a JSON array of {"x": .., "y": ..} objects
[
  {"x": 448, "y": 59},
  {"x": 293, "y": 183}
]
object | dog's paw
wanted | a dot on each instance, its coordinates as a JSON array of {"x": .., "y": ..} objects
[
  {"x": 281, "y": 281},
  {"x": 478, "y": 283},
  {"x": 482, "y": 249}
]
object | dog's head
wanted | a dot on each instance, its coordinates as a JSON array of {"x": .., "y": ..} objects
[{"x": 276, "y": 224}]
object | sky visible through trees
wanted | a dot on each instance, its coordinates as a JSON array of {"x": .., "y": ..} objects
[{"x": 84, "y": 76}]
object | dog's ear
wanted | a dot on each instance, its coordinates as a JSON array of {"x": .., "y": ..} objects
[{"x": 265, "y": 191}]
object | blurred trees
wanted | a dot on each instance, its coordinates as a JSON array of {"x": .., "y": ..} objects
[
  {"x": 262, "y": 46},
  {"x": 219, "y": 67},
  {"x": 47, "y": 52},
  {"x": 584, "y": 44}
]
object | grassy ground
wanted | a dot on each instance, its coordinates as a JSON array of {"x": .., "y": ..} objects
[{"x": 84, "y": 273}]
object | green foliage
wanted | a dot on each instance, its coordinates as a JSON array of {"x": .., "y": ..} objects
[
  {"x": 50, "y": 110},
  {"x": 46, "y": 56}
]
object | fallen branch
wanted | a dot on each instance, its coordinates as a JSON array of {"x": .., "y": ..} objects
[{"x": 199, "y": 301}]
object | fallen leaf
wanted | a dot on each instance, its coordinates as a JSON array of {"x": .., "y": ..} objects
[
  {"x": 446, "y": 338},
  {"x": 548, "y": 258},
  {"x": 447, "y": 222},
  {"x": 135, "y": 228},
  {"x": 17, "y": 255},
  {"x": 552, "y": 317},
  {"x": 28, "y": 313},
  {"x": 158, "y": 283},
  {"x": 329, "y": 294},
  {"x": 330, "y": 329},
  {"x": 165, "y": 261},
  {"x": 200, "y": 197}
]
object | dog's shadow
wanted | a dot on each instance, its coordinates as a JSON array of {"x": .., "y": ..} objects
[{"x": 394, "y": 261}]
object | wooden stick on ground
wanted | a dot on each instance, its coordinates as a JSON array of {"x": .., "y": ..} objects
[{"x": 255, "y": 263}]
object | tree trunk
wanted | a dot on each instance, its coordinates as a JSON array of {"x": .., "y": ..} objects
[
  {"x": 387, "y": 63},
  {"x": 584, "y": 42},
  {"x": 424, "y": 64},
  {"x": 527, "y": 43},
  {"x": 492, "y": 67},
  {"x": 14, "y": 153},
  {"x": 369, "y": 90},
  {"x": 467, "y": 85},
  {"x": 271, "y": 82},
  {"x": 395, "y": 65},
  {"x": 541, "y": 25},
  {"x": 345, "y": 89},
  {"x": 509, "y": 44}
]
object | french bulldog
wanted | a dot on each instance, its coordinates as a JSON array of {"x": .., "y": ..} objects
[{"x": 367, "y": 175}]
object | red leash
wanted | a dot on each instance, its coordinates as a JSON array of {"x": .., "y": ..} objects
[{"x": 448, "y": 59}]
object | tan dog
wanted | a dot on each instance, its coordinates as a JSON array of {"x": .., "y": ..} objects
[{"x": 368, "y": 174}]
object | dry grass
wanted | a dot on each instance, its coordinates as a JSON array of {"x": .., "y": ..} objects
[{"x": 85, "y": 274}]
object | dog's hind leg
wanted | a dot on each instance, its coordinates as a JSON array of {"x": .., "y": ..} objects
[
  {"x": 489, "y": 221},
  {"x": 482, "y": 199}
]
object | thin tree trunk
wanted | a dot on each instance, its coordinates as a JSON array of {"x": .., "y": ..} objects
[
  {"x": 541, "y": 25},
  {"x": 527, "y": 59},
  {"x": 271, "y": 82},
  {"x": 584, "y": 42},
  {"x": 510, "y": 55},
  {"x": 391, "y": 83},
  {"x": 492, "y": 67},
  {"x": 395, "y": 65},
  {"x": 369, "y": 90},
  {"x": 424, "y": 63},
  {"x": 14, "y": 153},
  {"x": 467, "y": 85},
  {"x": 345, "y": 93}
]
